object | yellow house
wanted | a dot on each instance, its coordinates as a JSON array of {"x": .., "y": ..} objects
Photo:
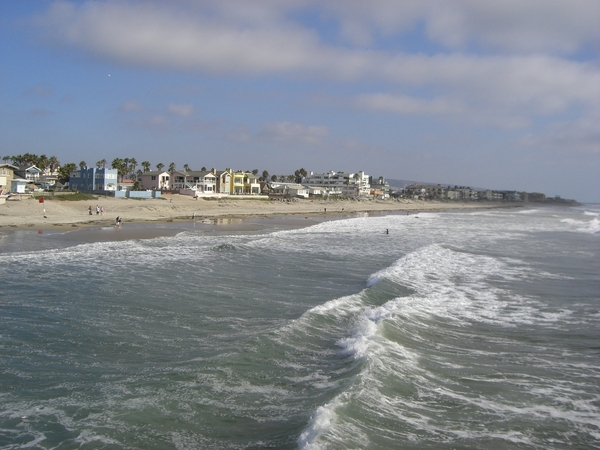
[
  {"x": 244, "y": 183},
  {"x": 237, "y": 183}
]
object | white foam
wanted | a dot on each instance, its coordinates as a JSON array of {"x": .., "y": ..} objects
[
  {"x": 321, "y": 422},
  {"x": 583, "y": 226}
]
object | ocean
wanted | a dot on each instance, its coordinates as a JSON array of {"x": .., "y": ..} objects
[{"x": 441, "y": 330}]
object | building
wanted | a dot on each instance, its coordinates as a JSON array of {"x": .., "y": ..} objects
[
  {"x": 286, "y": 190},
  {"x": 379, "y": 188},
  {"x": 244, "y": 183},
  {"x": 155, "y": 180},
  {"x": 348, "y": 184},
  {"x": 7, "y": 173},
  {"x": 92, "y": 179},
  {"x": 29, "y": 173},
  {"x": 195, "y": 182},
  {"x": 224, "y": 181}
]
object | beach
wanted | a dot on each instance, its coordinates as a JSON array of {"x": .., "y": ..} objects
[{"x": 54, "y": 214}]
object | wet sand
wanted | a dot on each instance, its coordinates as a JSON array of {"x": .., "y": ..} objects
[{"x": 28, "y": 224}]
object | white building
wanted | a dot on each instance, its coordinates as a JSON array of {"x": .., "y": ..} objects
[{"x": 349, "y": 184}]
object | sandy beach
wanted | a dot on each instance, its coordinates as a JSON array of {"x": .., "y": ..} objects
[{"x": 53, "y": 214}]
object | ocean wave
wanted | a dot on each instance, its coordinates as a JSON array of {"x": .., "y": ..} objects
[{"x": 582, "y": 226}]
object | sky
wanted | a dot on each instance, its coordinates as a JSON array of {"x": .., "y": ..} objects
[{"x": 492, "y": 94}]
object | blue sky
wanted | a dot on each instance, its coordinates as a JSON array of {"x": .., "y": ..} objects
[{"x": 502, "y": 95}]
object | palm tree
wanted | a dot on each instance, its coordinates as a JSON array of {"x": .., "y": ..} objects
[
  {"x": 53, "y": 163},
  {"x": 119, "y": 164},
  {"x": 265, "y": 175},
  {"x": 126, "y": 164},
  {"x": 42, "y": 162},
  {"x": 82, "y": 164},
  {"x": 172, "y": 167},
  {"x": 160, "y": 166},
  {"x": 186, "y": 167},
  {"x": 132, "y": 165},
  {"x": 274, "y": 178},
  {"x": 101, "y": 164},
  {"x": 203, "y": 169},
  {"x": 146, "y": 166},
  {"x": 64, "y": 172}
]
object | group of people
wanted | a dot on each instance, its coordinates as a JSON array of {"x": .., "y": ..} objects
[{"x": 99, "y": 210}]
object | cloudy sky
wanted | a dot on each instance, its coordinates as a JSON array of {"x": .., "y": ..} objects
[{"x": 496, "y": 94}]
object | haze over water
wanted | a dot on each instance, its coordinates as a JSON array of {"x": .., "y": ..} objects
[{"x": 455, "y": 330}]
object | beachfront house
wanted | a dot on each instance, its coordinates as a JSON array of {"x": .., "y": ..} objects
[
  {"x": 29, "y": 173},
  {"x": 287, "y": 190},
  {"x": 348, "y": 184},
  {"x": 92, "y": 179},
  {"x": 7, "y": 173},
  {"x": 224, "y": 181},
  {"x": 197, "y": 183},
  {"x": 155, "y": 180}
]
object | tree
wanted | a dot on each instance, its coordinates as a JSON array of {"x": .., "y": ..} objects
[
  {"x": 160, "y": 166},
  {"x": 274, "y": 178},
  {"x": 132, "y": 166},
  {"x": 203, "y": 169},
  {"x": 255, "y": 172},
  {"x": 42, "y": 162},
  {"x": 82, "y": 165},
  {"x": 121, "y": 167},
  {"x": 291, "y": 178},
  {"x": 265, "y": 175},
  {"x": 53, "y": 163},
  {"x": 126, "y": 168},
  {"x": 101, "y": 164},
  {"x": 146, "y": 166},
  {"x": 172, "y": 167},
  {"x": 64, "y": 172},
  {"x": 137, "y": 186},
  {"x": 299, "y": 175},
  {"x": 186, "y": 167}
]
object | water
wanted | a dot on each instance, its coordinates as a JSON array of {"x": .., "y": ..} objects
[{"x": 455, "y": 330}]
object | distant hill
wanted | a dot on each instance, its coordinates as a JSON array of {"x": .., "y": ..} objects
[{"x": 399, "y": 184}]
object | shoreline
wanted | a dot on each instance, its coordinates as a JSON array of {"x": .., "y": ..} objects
[
  {"x": 31, "y": 226},
  {"x": 61, "y": 215}
]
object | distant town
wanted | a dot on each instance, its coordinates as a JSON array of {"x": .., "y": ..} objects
[{"x": 125, "y": 177}]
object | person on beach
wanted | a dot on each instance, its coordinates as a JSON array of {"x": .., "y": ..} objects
[
  {"x": 119, "y": 221},
  {"x": 97, "y": 210},
  {"x": 102, "y": 210},
  {"x": 90, "y": 210}
]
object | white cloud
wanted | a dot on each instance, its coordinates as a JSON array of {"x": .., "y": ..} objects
[
  {"x": 579, "y": 137},
  {"x": 229, "y": 38},
  {"x": 403, "y": 104},
  {"x": 157, "y": 123},
  {"x": 40, "y": 90},
  {"x": 181, "y": 110},
  {"x": 289, "y": 133},
  {"x": 131, "y": 106}
]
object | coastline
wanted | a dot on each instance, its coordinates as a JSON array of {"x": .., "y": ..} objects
[
  {"x": 30, "y": 225},
  {"x": 59, "y": 215}
]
